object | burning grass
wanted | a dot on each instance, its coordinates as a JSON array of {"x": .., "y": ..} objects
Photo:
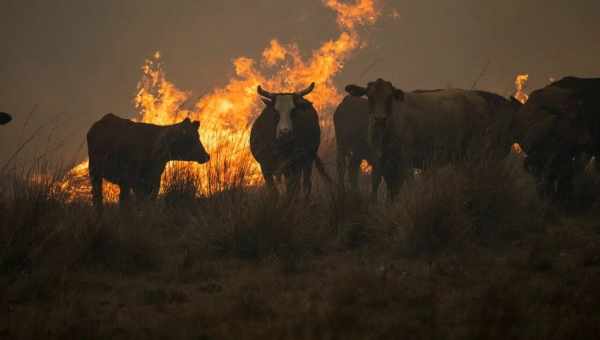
[{"x": 458, "y": 256}]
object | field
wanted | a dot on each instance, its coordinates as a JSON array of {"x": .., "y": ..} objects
[{"x": 457, "y": 256}]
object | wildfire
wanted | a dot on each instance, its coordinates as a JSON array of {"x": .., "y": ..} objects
[
  {"x": 517, "y": 149},
  {"x": 227, "y": 112},
  {"x": 520, "y": 83},
  {"x": 365, "y": 167}
]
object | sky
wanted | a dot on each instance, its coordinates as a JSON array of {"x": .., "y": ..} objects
[{"x": 65, "y": 63}]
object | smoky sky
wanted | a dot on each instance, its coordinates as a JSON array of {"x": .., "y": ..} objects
[{"x": 77, "y": 60}]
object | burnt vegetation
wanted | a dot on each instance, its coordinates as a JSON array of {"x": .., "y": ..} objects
[{"x": 468, "y": 250}]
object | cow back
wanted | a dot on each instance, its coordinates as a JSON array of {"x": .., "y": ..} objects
[{"x": 445, "y": 124}]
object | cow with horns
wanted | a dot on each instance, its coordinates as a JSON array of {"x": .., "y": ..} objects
[{"x": 284, "y": 139}]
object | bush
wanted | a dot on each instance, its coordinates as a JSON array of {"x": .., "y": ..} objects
[{"x": 482, "y": 201}]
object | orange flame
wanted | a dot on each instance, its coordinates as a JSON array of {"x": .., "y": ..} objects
[
  {"x": 361, "y": 13},
  {"x": 226, "y": 113},
  {"x": 365, "y": 167},
  {"x": 517, "y": 149},
  {"x": 520, "y": 83}
]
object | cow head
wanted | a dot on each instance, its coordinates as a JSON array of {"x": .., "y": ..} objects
[
  {"x": 556, "y": 129},
  {"x": 285, "y": 106},
  {"x": 381, "y": 95},
  {"x": 5, "y": 118},
  {"x": 185, "y": 144}
]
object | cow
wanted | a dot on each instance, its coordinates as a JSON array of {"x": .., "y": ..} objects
[
  {"x": 5, "y": 118},
  {"x": 350, "y": 119},
  {"x": 134, "y": 155},
  {"x": 285, "y": 138},
  {"x": 408, "y": 130},
  {"x": 559, "y": 131}
]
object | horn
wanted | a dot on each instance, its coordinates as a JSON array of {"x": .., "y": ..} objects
[
  {"x": 264, "y": 93},
  {"x": 307, "y": 90}
]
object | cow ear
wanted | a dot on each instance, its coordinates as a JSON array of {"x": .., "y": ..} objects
[
  {"x": 398, "y": 94},
  {"x": 356, "y": 91}
]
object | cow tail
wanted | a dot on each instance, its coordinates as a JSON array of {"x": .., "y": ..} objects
[{"x": 322, "y": 171}]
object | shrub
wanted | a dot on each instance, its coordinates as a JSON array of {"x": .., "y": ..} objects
[{"x": 483, "y": 201}]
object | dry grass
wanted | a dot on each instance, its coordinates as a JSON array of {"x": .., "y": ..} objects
[{"x": 466, "y": 252}]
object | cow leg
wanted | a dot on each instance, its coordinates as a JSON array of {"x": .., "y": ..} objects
[
  {"x": 393, "y": 180},
  {"x": 96, "y": 182},
  {"x": 146, "y": 192},
  {"x": 307, "y": 179},
  {"x": 150, "y": 188},
  {"x": 270, "y": 182},
  {"x": 564, "y": 190},
  {"x": 375, "y": 182},
  {"x": 353, "y": 169},
  {"x": 141, "y": 194},
  {"x": 124, "y": 195},
  {"x": 153, "y": 194},
  {"x": 292, "y": 179},
  {"x": 341, "y": 168}
]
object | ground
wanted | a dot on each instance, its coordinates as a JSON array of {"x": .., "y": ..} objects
[{"x": 456, "y": 257}]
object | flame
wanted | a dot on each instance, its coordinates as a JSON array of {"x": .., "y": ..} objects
[
  {"x": 362, "y": 12},
  {"x": 274, "y": 54},
  {"x": 365, "y": 167},
  {"x": 226, "y": 113},
  {"x": 517, "y": 149},
  {"x": 520, "y": 83}
]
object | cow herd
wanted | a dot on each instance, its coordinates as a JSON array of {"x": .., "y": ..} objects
[{"x": 395, "y": 131}]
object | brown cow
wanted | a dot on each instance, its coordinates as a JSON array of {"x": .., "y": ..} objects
[
  {"x": 134, "y": 155},
  {"x": 408, "y": 130},
  {"x": 350, "y": 120},
  {"x": 285, "y": 138}
]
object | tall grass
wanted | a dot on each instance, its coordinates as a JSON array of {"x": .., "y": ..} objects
[{"x": 465, "y": 252}]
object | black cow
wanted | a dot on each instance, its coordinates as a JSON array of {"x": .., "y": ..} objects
[
  {"x": 285, "y": 138},
  {"x": 560, "y": 129},
  {"x": 134, "y": 155}
]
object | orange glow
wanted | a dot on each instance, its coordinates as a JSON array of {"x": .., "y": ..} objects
[
  {"x": 517, "y": 149},
  {"x": 365, "y": 167},
  {"x": 226, "y": 113},
  {"x": 274, "y": 54},
  {"x": 362, "y": 12},
  {"x": 520, "y": 83}
]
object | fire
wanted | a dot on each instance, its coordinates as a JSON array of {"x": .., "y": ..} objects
[
  {"x": 517, "y": 149},
  {"x": 365, "y": 167},
  {"x": 226, "y": 113},
  {"x": 361, "y": 13},
  {"x": 520, "y": 83}
]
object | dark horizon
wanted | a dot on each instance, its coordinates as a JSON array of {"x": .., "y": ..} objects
[{"x": 77, "y": 61}]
